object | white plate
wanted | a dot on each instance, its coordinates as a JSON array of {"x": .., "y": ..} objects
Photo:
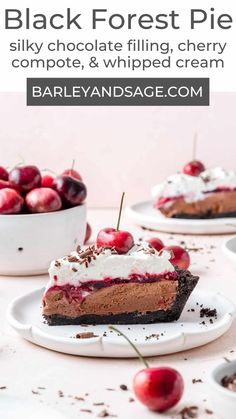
[
  {"x": 9, "y": 405},
  {"x": 145, "y": 215},
  {"x": 229, "y": 249},
  {"x": 24, "y": 315}
]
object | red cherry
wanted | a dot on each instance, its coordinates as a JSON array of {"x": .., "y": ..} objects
[
  {"x": 88, "y": 233},
  {"x": 179, "y": 256},
  {"x": 3, "y": 173},
  {"x": 25, "y": 178},
  {"x": 158, "y": 388},
  {"x": 193, "y": 168},
  {"x": 47, "y": 181},
  {"x": 156, "y": 243},
  {"x": 73, "y": 173},
  {"x": 43, "y": 200},
  {"x": 72, "y": 191},
  {"x": 122, "y": 241},
  {"x": 11, "y": 202},
  {"x": 4, "y": 184}
]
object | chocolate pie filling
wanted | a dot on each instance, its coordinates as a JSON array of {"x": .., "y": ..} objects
[
  {"x": 134, "y": 302},
  {"x": 215, "y": 205}
]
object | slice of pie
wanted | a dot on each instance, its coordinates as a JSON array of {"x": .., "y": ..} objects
[
  {"x": 100, "y": 286},
  {"x": 212, "y": 194}
]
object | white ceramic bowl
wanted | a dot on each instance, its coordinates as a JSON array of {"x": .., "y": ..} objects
[
  {"x": 223, "y": 400},
  {"x": 29, "y": 242},
  {"x": 229, "y": 249}
]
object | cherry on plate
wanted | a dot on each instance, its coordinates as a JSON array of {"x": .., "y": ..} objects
[
  {"x": 158, "y": 388},
  {"x": 11, "y": 202},
  {"x": 156, "y": 243},
  {"x": 179, "y": 256},
  {"x": 88, "y": 233},
  {"x": 47, "y": 181},
  {"x": 72, "y": 191},
  {"x": 25, "y": 178},
  {"x": 43, "y": 200},
  {"x": 122, "y": 241},
  {"x": 3, "y": 173},
  {"x": 194, "y": 168}
]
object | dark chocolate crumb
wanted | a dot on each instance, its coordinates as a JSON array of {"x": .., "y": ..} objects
[
  {"x": 208, "y": 312},
  {"x": 60, "y": 393},
  {"x": 196, "y": 380},
  {"x": 208, "y": 412},
  {"x": 3, "y": 388},
  {"x": 153, "y": 335},
  {"x": 98, "y": 404},
  {"x": 86, "y": 410},
  {"x": 131, "y": 400},
  {"x": 123, "y": 387}
]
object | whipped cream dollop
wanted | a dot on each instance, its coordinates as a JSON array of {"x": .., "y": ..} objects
[
  {"x": 193, "y": 188},
  {"x": 77, "y": 269}
]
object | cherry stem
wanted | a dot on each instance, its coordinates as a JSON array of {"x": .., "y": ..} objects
[
  {"x": 72, "y": 167},
  {"x": 120, "y": 211},
  {"x": 142, "y": 359},
  {"x": 194, "y": 145}
]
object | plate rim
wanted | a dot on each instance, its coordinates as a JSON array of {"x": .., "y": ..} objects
[
  {"x": 143, "y": 219},
  {"x": 28, "y": 331}
]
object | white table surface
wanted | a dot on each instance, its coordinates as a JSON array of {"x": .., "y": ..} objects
[{"x": 24, "y": 367}]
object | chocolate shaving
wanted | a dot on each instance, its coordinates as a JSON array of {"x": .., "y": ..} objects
[
  {"x": 85, "y": 335},
  {"x": 57, "y": 264},
  {"x": 73, "y": 259},
  {"x": 189, "y": 412},
  {"x": 196, "y": 380}
]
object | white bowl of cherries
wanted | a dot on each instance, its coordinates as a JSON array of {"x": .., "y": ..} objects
[{"x": 41, "y": 218}]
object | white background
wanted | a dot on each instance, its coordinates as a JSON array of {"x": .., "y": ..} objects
[{"x": 221, "y": 80}]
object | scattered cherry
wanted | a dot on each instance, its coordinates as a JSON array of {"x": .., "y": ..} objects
[
  {"x": 88, "y": 233},
  {"x": 43, "y": 200},
  {"x": 3, "y": 173},
  {"x": 156, "y": 243},
  {"x": 25, "y": 178},
  {"x": 72, "y": 172},
  {"x": 4, "y": 184},
  {"x": 157, "y": 388},
  {"x": 11, "y": 202},
  {"x": 72, "y": 191},
  {"x": 47, "y": 181},
  {"x": 122, "y": 241},
  {"x": 193, "y": 168},
  {"x": 179, "y": 256}
]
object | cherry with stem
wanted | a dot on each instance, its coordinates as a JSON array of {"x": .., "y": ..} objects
[
  {"x": 121, "y": 241},
  {"x": 157, "y": 388}
]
